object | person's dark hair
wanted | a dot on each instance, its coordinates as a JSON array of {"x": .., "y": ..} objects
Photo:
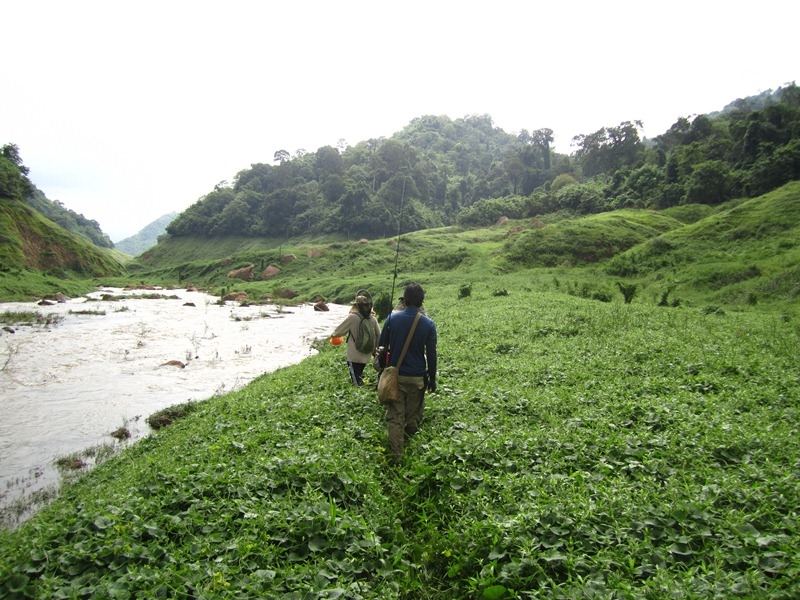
[{"x": 414, "y": 295}]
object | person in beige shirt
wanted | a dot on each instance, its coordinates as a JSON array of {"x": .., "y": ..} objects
[{"x": 356, "y": 332}]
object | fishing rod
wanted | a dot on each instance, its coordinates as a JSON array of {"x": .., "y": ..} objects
[{"x": 397, "y": 247}]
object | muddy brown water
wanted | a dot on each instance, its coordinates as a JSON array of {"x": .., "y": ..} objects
[{"x": 66, "y": 386}]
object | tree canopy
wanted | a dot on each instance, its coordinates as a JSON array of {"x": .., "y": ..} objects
[{"x": 440, "y": 171}]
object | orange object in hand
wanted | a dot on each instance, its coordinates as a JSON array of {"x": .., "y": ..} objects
[{"x": 336, "y": 340}]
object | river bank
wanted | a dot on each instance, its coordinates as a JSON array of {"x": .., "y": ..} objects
[{"x": 106, "y": 361}]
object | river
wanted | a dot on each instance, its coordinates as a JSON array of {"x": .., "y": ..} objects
[{"x": 100, "y": 365}]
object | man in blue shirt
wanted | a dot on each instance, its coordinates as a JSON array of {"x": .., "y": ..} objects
[{"x": 416, "y": 373}]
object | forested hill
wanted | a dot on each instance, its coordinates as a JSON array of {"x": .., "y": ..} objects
[
  {"x": 434, "y": 167},
  {"x": 30, "y": 241},
  {"x": 14, "y": 183},
  {"x": 68, "y": 218},
  {"x": 440, "y": 171}
]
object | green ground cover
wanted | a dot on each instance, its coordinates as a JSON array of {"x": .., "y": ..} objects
[
  {"x": 575, "y": 449},
  {"x": 578, "y": 447}
]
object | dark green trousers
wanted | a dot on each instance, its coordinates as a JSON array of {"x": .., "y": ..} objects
[{"x": 404, "y": 417}]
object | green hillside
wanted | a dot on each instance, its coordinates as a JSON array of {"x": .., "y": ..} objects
[
  {"x": 39, "y": 257},
  {"x": 438, "y": 171},
  {"x": 68, "y": 219},
  {"x": 588, "y": 239},
  {"x": 748, "y": 251},
  {"x": 741, "y": 253}
]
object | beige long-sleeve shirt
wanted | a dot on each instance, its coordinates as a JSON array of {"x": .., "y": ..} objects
[{"x": 350, "y": 326}]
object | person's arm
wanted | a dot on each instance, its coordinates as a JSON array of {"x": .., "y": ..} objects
[
  {"x": 383, "y": 340},
  {"x": 344, "y": 326},
  {"x": 377, "y": 329}
]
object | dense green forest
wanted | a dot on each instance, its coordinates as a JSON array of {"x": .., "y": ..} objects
[
  {"x": 14, "y": 183},
  {"x": 438, "y": 171}
]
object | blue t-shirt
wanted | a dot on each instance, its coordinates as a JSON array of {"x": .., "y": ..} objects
[{"x": 423, "y": 345}]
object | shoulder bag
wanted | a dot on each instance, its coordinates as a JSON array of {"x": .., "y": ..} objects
[{"x": 388, "y": 388}]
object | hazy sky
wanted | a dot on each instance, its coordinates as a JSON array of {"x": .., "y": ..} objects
[{"x": 126, "y": 110}]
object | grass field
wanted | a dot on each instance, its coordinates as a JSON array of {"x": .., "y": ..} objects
[
  {"x": 577, "y": 447},
  {"x": 574, "y": 449}
]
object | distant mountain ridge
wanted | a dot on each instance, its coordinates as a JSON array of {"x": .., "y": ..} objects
[{"x": 147, "y": 237}]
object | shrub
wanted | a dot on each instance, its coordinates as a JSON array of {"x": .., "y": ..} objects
[
  {"x": 628, "y": 291},
  {"x": 169, "y": 415},
  {"x": 709, "y": 183},
  {"x": 382, "y": 305},
  {"x": 562, "y": 181},
  {"x": 583, "y": 197}
]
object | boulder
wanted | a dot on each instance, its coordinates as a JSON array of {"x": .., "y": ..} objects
[
  {"x": 45, "y": 302},
  {"x": 8, "y": 329},
  {"x": 502, "y": 220},
  {"x": 314, "y": 253},
  {"x": 286, "y": 293},
  {"x": 235, "y": 297},
  {"x": 321, "y": 306},
  {"x": 287, "y": 258},
  {"x": 174, "y": 363},
  {"x": 270, "y": 272},
  {"x": 363, "y": 241},
  {"x": 123, "y": 433},
  {"x": 58, "y": 297},
  {"x": 189, "y": 304},
  {"x": 245, "y": 273}
]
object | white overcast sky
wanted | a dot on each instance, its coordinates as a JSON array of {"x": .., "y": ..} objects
[{"x": 126, "y": 110}]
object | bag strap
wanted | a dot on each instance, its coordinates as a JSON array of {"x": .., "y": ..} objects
[{"x": 407, "y": 343}]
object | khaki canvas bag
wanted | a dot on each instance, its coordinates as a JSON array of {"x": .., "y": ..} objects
[{"x": 388, "y": 384}]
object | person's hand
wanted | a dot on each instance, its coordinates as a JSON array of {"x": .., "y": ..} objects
[{"x": 432, "y": 385}]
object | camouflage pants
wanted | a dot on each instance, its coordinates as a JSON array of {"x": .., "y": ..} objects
[{"x": 404, "y": 417}]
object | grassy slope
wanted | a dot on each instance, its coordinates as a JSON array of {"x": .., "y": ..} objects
[
  {"x": 175, "y": 251},
  {"x": 588, "y": 239},
  {"x": 738, "y": 254},
  {"x": 39, "y": 257},
  {"x": 749, "y": 252},
  {"x": 575, "y": 449}
]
